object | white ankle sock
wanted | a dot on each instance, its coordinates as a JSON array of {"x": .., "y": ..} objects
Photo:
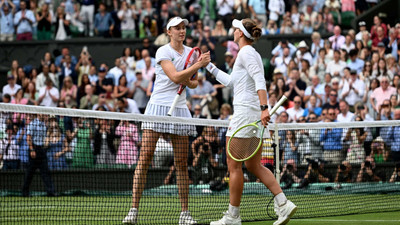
[
  {"x": 280, "y": 199},
  {"x": 185, "y": 212},
  {"x": 234, "y": 210}
]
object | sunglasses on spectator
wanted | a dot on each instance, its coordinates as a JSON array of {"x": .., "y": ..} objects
[
  {"x": 297, "y": 102},
  {"x": 331, "y": 114},
  {"x": 334, "y": 95},
  {"x": 313, "y": 118}
]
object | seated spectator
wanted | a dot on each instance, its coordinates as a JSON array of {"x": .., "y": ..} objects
[
  {"x": 149, "y": 71},
  {"x": 312, "y": 107},
  {"x": 62, "y": 30},
  {"x": 348, "y": 44},
  {"x": 336, "y": 66},
  {"x": 281, "y": 62},
  {"x": 103, "y": 104},
  {"x": 278, "y": 50},
  {"x": 367, "y": 171},
  {"x": 392, "y": 138},
  {"x": 295, "y": 86},
  {"x": 382, "y": 71},
  {"x": 104, "y": 149},
  {"x": 199, "y": 93},
  {"x": 345, "y": 115},
  {"x": 7, "y": 12},
  {"x": 129, "y": 140},
  {"x": 68, "y": 70},
  {"x": 103, "y": 22},
  {"x": 121, "y": 90},
  {"x": 31, "y": 94},
  {"x": 141, "y": 64},
  {"x": 138, "y": 91},
  {"x": 68, "y": 88},
  {"x": 297, "y": 111},
  {"x": 332, "y": 102},
  {"x": 11, "y": 88},
  {"x": 344, "y": 173},
  {"x": 316, "y": 89},
  {"x": 271, "y": 103},
  {"x": 93, "y": 78},
  {"x": 9, "y": 150},
  {"x": 61, "y": 58},
  {"x": 396, "y": 174},
  {"x": 219, "y": 30},
  {"x": 48, "y": 95},
  {"x": 355, "y": 137},
  {"x": 288, "y": 174},
  {"x": 23, "y": 21},
  {"x": 83, "y": 153},
  {"x": 379, "y": 150},
  {"x": 41, "y": 78},
  {"x": 290, "y": 146},
  {"x": 381, "y": 93},
  {"x": 104, "y": 85},
  {"x": 126, "y": 105},
  {"x": 385, "y": 111},
  {"x": 148, "y": 28},
  {"x": 19, "y": 98},
  {"x": 379, "y": 39},
  {"x": 89, "y": 100},
  {"x": 337, "y": 39}
]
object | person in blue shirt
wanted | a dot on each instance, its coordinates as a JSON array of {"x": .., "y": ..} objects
[
  {"x": 23, "y": 144},
  {"x": 392, "y": 137},
  {"x": 332, "y": 140},
  {"x": 7, "y": 10},
  {"x": 355, "y": 63},
  {"x": 103, "y": 22},
  {"x": 23, "y": 21},
  {"x": 36, "y": 134}
]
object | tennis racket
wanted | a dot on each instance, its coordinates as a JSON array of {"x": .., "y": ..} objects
[
  {"x": 248, "y": 139},
  {"x": 191, "y": 59}
]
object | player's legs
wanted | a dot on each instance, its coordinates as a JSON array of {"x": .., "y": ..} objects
[
  {"x": 235, "y": 179},
  {"x": 181, "y": 145},
  {"x": 149, "y": 141},
  {"x": 255, "y": 167}
]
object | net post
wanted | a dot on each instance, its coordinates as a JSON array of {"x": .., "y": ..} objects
[{"x": 277, "y": 162}]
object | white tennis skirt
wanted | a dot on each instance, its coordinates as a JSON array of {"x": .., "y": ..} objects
[
  {"x": 171, "y": 128},
  {"x": 243, "y": 116}
]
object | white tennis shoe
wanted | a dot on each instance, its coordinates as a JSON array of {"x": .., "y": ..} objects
[
  {"x": 131, "y": 218},
  {"x": 186, "y": 219},
  {"x": 228, "y": 219},
  {"x": 285, "y": 212}
]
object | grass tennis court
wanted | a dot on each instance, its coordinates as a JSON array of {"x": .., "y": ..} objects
[{"x": 111, "y": 210}]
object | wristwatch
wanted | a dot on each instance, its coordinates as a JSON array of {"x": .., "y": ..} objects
[{"x": 263, "y": 107}]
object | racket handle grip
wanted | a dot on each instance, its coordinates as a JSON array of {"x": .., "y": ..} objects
[
  {"x": 171, "y": 110},
  {"x": 278, "y": 104}
]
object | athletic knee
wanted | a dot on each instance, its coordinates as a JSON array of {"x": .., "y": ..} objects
[{"x": 252, "y": 167}]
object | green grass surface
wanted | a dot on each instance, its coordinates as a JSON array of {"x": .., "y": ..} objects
[
  {"x": 165, "y": 210},
  {"x": 359, "y": 219}
]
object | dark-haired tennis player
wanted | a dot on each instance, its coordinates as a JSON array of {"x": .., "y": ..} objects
[
  {"x": 170, "y": 60},
  {"x": 250, "y": 103}
]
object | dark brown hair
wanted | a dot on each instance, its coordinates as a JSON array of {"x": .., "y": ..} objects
[{"x": 251, "y": 27}]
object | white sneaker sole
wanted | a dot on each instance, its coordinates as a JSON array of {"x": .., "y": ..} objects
[{"x": 285, "y": 221}]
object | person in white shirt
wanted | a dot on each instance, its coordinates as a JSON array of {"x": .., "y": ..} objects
[
  {"x": 345, "y": 115},
  {"x": 116, "y": 71},
  {"x": 250, "y": 104},
  {"x": 353, "y": 90},
  {"x": 127, "y": 105},
  {"x": 127, "y": 17},
  {"x": 316, "y": 89},
  {"x": 296, "y": 111},
  {"x": 282, "y": 62},
  {"x": 11, "y": 88},
  {"x": 41, "y": 78},
  {"x": 336, "y": 66},
  {"x": 271, "y": 103},
  {"x": 170, "y": 60},
  {"x": 48, "y": 95},
  {"x": 9, "y": 149},
  {"x": 362, "y": 27},
  {"x": 276, "y": 9},
  {"x": 348, "y": 44},
  {"x": 225, "y": 11}
]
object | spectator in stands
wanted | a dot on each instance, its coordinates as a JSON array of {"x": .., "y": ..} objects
[
  {"x": 41, "y": 78},
  {"x": 345, "y": 115},
  {"x": 7, "y": 11},
  {"x": 367, "y": 171},
  {"x": 81, "y": 88},
  {"x": 138, "y": 91},
  {"x": 128, "y": 20},
  {"x": 103, "y": 22},
  {"x": 89, "y": 100},
  {"x": 128, "y": 147},
  {"x": 31, "y": 94},
  {"x": 332, "y": 139},
  {"x": 288, "y": 174},
  {"x": 355, "y": 63},
  {"x": 104, "y": 149},
  {"x": 312, "y": 107},
  {"x": 128, "y": 59},
  {"x": 141, "y": 64},
  {"x": 272, "y": 28},
  {"x": 83, "y": 65},
  {"x": 62, "y": 30},
  {"x": 295, "y": 86},
  {"x": 276, "y": 9},
  {"x": 297, "y": 111},
  {"x": 225, "y": 12},
  {"x": 83, "y": 156},
  {"x": 202, "y": 91},
  {"x": 11, "y": 88},
  {"x": 68, "y": 88},
  {"x": 278, "y": 50},
  {"x": 61, "y": 58},
  {"x": 379, "y": 150},
  {"x": 353, "y": 90},
  {"x": 219, "y": 30},
  {"x": 258, "y": 11},
  {"x": 56, "y": 145},
  {"x": 315, "y": 174},
  {"x": 355, "y": 137},
  {"x": 281, "y": 62},
  {"x": 87, "y": 15},
  {"x": 126, "y": 105},
  {"x": 148, "y": 28},
  {"x": 393, "y": 67},
  {"x": 48, "y": 95},
  {"x": 122, "y": 89},
  {"x": 19, "y": 98},
  {"x": 382, "y": 70},
  {"x": 344, "y": 173},
  {"x": 380, "y": 39},
  {"x": 67, "y": 69},
  {"x": 116, "y": 71},
  {"x": 9, "y": 150},
  {"x": 337, "y": 39},
  {"x": 290, "y": 146},
  {"x": 396, "y": 174},
  {"x": 104, "y": 85},
  {"x": 271, "y": 103},
  {"x": 316, "y": 89},
  {"x": 381, "y": 93},
  {"x": 24, "y": 20},
  {"x": 392, "y": 46},
  {"x": 393, "y": 139},
  {"x": 149, "y": 46},
  {"x": 149, "y": 71},
  {"x": 36, "y": 133},
  {"x": 336, "y": 66}
]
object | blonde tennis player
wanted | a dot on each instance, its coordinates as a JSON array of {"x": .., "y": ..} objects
[
  {"x": 170, "y": 60},
  {"x": 250, "y": 103}
]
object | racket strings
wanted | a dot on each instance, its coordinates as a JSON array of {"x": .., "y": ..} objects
[{"x": 242, "y": 148}]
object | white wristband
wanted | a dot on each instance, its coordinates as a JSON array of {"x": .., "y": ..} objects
[{"x": 212, "y": 69}]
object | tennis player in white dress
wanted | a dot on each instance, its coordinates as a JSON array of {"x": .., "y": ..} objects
[
  {"x": 250, "y": 104},
  {"x": 170, "y": 60}
]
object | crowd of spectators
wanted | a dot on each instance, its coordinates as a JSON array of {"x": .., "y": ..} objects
[{"x": 347, "y": 77}]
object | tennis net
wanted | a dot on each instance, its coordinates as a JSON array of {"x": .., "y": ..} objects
[{"x": 326, "y": 169}]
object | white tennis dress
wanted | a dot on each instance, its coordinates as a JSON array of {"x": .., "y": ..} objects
[
  {"x": 247, "y": 78},
  {"x": 164, "y": 92}
]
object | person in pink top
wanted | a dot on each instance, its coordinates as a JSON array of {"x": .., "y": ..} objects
[
  {"x": 19, "y": 99},
  {"x": 348, "y": 5},
  {"x": 382, "y": 93},
  {"x": 69, "y": 88},
  {"x": 127, "y": 150}
]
